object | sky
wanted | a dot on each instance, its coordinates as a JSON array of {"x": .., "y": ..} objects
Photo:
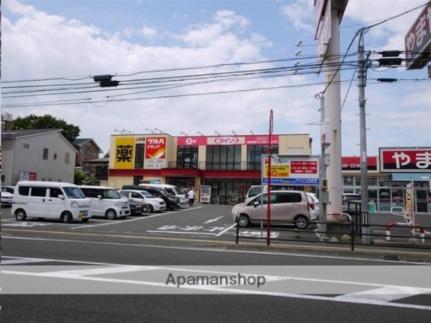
[{"x": 75, "y": 40}]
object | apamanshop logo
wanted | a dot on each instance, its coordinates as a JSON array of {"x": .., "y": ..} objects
[{"x": 216, "y": 280}]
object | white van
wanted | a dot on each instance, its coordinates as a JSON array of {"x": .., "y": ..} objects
[
  {"x": 155, "y": 204},
  {"x": 106, "y": 201},
  {"x": 173, "y": 190},
  {"x": 50, "y": 200}
]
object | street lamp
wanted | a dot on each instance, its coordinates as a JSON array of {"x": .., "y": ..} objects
[
  {"x": 148, "y": 129},
  {"x": 183, "y": 133},
  {"x": 200, "y": 133},
  {"x": 234, "y": 133},
  {"x": 157, "y": 129},
  {"x": 217, "y": 133}
]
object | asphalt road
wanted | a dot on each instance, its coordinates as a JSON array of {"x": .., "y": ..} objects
[{"x": 125, "y": 263}]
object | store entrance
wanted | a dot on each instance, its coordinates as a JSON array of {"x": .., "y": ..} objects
[
  {"x": 183, "y": 183},
  {"x": 229, "y": 191}
]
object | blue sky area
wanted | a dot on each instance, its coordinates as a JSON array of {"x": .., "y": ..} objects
[{"x": 81, "y": 38}]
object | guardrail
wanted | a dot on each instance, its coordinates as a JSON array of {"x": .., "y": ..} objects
[{"x": 394, "y": 234}]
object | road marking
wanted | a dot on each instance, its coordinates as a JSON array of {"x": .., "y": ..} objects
[
  {"x": 385, "y": 293},
  {"x": 213, "y": 220},
  {"x": 203, "y": 249},
  {"x": 26, "y": 224},
  {"x": 180, "y": 232},
  {"x": 130, "y": 220},
  {"x": 225, "y": 230},
  {"x": 216, "y": 289},
  {"x": 20, "y": 260}
]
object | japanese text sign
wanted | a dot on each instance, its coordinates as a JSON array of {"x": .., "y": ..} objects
[
  {"x": 301, "y": 171},
  {"x": 155, "y": 148},
  {"x": 418, "y": 40},
  {"x": 124, "y": 152},
  {"x": 401, "y": 160}
]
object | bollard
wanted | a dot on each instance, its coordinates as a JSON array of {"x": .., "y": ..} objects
[
  {"x": 422, "y": 235},
  {"x": 237, "y": 233}
]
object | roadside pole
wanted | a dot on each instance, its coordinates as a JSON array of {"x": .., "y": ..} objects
[
  {"x": 333, "y": 115},
  {"x": 362, "y": 80},
  {"x": 268, "y": 210},
  {"x": 323, "y": 194}
]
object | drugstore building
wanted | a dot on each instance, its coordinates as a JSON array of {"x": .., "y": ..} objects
[{"x": 229, "y": 164}]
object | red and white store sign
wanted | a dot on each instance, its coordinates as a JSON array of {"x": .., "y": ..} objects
[
  {"x": 401, "y": 160},
  {"x": 192, "y": 141},
  {"x": 354, "y": 163},
  {"x": 303, "y": 167},
  {"x": 226, "y": 140}
]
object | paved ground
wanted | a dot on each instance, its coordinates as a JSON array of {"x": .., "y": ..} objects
[{"x": 127, "y": 262}]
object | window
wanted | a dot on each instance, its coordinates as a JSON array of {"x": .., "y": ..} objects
[
  {"x": 187, "y": 157},
  {"x": 55, "y": 156},
  {"x": 45, "y": 153},
  {"x": 348, "y": 180},
  {"x": 136, "y": 195},
  {"x": 139, "y": 155},
  {"x": 26, "y": 145},
  {"x": 38, "y": 191},
  {"x": 67, "y": 158},
  {"x": 289, "y": 198},
  {"x": 55, "y": 192},
  {"x": 254, "y": 155},
  {"x": 89, "y": 192},
  {"x": 24, "y": 190},
  {"x": 223, "y": 157},
  {"x": 73, "y": 192}
]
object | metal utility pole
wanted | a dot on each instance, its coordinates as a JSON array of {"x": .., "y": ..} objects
[
  {"x": 362, "y": 80},
  {"x": 323, "y": 194}
]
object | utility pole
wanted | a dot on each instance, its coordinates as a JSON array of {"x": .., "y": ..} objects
[{"x": 362, "y": 80}]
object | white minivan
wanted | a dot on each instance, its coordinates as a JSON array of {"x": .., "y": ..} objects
[
  {"x": 106, "y": 202},
  {"x": 50, "y": 200}
]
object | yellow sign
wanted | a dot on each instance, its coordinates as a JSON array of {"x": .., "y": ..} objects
[
  {"x": 278, "y": 170},
  {"x": 124, "y": 152}
]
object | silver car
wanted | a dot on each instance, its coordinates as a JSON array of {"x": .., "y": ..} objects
[{"x": 286, "y": 206}]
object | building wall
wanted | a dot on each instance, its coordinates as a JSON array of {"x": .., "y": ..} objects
[
  {"x": 294, "y": 144},
  {"x": 31, "y": 158},
  {"x": 119, "y": 181},
  {"x": 7, "y": 160}
]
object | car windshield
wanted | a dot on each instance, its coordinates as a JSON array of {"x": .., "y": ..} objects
[
  {"x": 171, "y": 191},
  {"x": 74, "y": 192},
  {"x": 111, "y": 194},
  {"x": 146, "y": 194}
]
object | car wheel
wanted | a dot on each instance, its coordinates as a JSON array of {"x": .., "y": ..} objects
[
  {"x": 150, "y": 209},
  {"x": 243, "y": 220},
  {"x": 145, "y": 209},
  {"x": 85, "y": 220},
  {"x": 20, "y": 215},
  {"x": 111, "y": 214},
  {"x": 301, "y": 222},
  {"x": 66, "y": 217}
]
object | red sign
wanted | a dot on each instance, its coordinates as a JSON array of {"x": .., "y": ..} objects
[
  {"x": 303, "y": 167},
  {"x": 155, "y": 148},
  {"x": 226, "y": 140},
  {"x": 418, "y": 40},
  {"x": 192, "y": 141},
  {"x": 401, "y": 160},
  {"x": 260, "y": 140},
  {"x": 353, "y": 163}
]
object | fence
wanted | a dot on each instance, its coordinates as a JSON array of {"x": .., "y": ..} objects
[{"x": 399, "y": 235}]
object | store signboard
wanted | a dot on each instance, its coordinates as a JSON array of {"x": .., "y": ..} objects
[
  {"x": 155, "y": 152},
  {"x": 299, "y": 171},
  {"x": 205, "y": 194},
  {"x": 354, "y": 163},
  {"x": 124, "y": 152},
  {"x": 260, "y": 140},
  {"x": 226, "y": 140},
  {"x": 25, "y": 175},
  {"x": 192, "y": 141},
  {"x": 404, "y": 160},
  {"x": 418, "y": 40}
]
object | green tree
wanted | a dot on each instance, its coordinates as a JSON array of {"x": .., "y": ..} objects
[
  {"x": 79, "y": 177},
  {"x": 70, "y": 131}
]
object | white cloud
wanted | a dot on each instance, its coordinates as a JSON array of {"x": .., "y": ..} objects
[
  {"x": 39, "y": 45},
  {"x": 300, "y": 14},
  {"x": 148, "y": 31}
]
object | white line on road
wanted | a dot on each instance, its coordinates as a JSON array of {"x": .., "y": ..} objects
[
  {"x": 179, "y": 232},
  {"x": 213, "y": 220},
  {"x": 225, "y": 230},
  {"x": 203, "y": 249},
  {"x": 135, "y": 219}
]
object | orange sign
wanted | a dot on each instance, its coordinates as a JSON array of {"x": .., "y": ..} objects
[{"x": 155, "y": 148}]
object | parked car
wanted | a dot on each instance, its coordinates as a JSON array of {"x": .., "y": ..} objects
[
  {"x": 106, "y": 202},
  {"x": 6, "y": 197},
  {"x": 286, "y": 206},
  {"x": 50, "y": 200},
  {"x": 254, "y": 190},
  {"x": 171, "y": 201},
  {"x": 172, "y": 190},
  {"x": 144, "y": 198},
  {"x": 314, "y": 205},
  {"x": 136, "y": 208}
]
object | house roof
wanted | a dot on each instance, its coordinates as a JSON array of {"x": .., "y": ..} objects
[
  {"x": 13, "y": 134},
  {"x": 26, "y": 132},
  {"x": 79, "y": 141}
]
